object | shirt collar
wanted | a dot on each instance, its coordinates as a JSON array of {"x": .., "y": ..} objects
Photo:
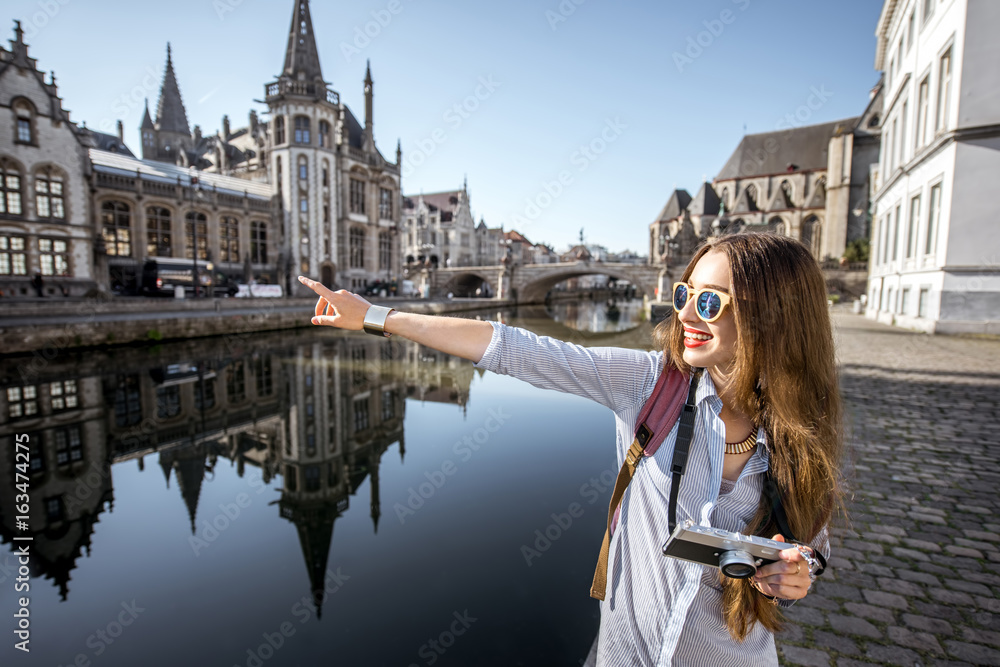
[{"x": 706, "y": 392}]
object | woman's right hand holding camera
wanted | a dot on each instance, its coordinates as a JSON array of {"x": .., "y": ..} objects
[{"x": 341, "y": 309}]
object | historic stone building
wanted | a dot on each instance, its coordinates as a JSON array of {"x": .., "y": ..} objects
[
  {"x": 809, "y": 182},
  {"x": 439, "y": 230},
  {"x": 339, "y": 198},
  {"x": 46, "y": 233},
  {"x": 935, "y": 244}
]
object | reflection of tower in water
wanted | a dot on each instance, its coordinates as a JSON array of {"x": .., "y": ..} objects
[{"x": 321, "y": 415}]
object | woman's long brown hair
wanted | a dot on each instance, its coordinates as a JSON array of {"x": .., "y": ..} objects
[{"x": 784, "y": 379}]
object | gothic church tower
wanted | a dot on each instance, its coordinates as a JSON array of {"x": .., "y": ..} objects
[{"x": 340, "y": 197}]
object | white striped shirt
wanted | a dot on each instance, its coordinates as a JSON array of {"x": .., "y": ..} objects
[{"x": 658, "y": 611}]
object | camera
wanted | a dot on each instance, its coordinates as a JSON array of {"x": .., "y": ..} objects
[{"x": 737, "y": 555}]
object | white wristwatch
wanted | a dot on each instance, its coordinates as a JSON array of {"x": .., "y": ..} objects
[{"x": 375, "y": 320}]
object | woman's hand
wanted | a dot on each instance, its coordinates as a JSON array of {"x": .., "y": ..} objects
[
  {"x": 341, "y": 309},
  {"x": 787, "y": 578}
]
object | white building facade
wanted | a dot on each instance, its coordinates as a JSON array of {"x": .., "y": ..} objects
[{"x": 935, "y": 253}]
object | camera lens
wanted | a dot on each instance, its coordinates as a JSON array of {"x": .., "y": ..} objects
[{"x": 737, "y": 564}]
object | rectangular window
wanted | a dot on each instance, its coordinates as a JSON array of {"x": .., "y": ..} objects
[
  {"x": 265, "y": 379},
  {"x": 36, "y": 457},
  {"x": 10, "y": 194},
  {"x": 923, "y": 111},
  {"x": 910, "y": 25},
  {"x": 13, "y": 259},
  {"x": 944, "y": 93},
  {"x": 385, "y": 203},
  {"x": 53, "y": 257},
  {"x": 291, "y": 479},
  {"x": 928, "y": 9},
  {"x": 895, "y": 234},
  {"x": 312, "y": 476},
  {"x": 912, "y": 226},
  {"x": 24, "y": 130},
  {"x": 168, "y": 401},
  {"x": 357, "y": 196},
  {"x": 904, "y": 301},
  {"x": 204, "y": 394},
  {"x": 236, "y": 390},
  {"x": 69, "y": 445},
  {"x": 301, "y": 130},
  {"x": 49, "y": 198},
  {"x": 22, "y": 401},
  {"x": 902, "y": 131},
  {"x": 384, "y": 251},
  {"x": 63, "y": 395},
  {"x": 924, "y": 302},
  {"x": 229, "y": 240},
  {"x": 304, "y": 204},
  {"x": 933, "y": 220},
  {"x": 360, "y": 414},
  {"x": 893, "y": 134},
  {"x": 128, "y": 401},
  {"x": 326, "y": 177},
  {"x": 388, "y": 404},
  {"x": 303, "y": 171},
  {"x": 54, "y": 510}
]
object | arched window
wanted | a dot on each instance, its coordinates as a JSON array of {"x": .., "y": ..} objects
[
  {"x": 158, "y": 234},
  {"x": 776, "y": 226},
  {"x": 786, "y": 191},
  {"x": 195, "y": 234},
  {"x": 279, "y": 130},
  {"x": 326, "y": 174},
  {"x": 302, "y": 129},
  {"x": 357, "y": 248},
  {"x": 229, "y": 239},
  {"x": 24, "y": 130},
  {"x": 258, "y": 242},
  {"x": 384, "y": 251},
  {"x": 724, "y": 198},
  {"x": 10, "y": 189},
  {"x": 385, "y": 203},
  {"x": 324, "y": 134},
  {"x": 303, "y": 171},
  {"x": 357, "y": 193},
  {"x": 116, "y": 223},
  {"x": 821, "y": 186},
  {"x": 49, "y": 202},
  {"x": 752, "y": 194}
]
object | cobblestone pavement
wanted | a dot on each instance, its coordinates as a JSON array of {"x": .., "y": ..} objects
[{"x": 915, "y": 573}]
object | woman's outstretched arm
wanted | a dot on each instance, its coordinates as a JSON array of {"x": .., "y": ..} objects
[{"x": 460, "y": 337}]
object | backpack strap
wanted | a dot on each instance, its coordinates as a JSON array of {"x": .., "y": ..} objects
[{"x": 655, "y": 420}]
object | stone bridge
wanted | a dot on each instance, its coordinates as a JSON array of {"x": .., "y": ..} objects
[{"x": 529, "y": 283}]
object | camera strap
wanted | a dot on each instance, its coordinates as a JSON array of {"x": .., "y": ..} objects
[
  {"x": 685, "y": 430},
  {"x": 773, "y": 495},
  {"x": 655, "y": 421}
]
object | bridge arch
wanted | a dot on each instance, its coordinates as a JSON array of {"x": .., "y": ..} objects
[{"x": 534, "y": 281}]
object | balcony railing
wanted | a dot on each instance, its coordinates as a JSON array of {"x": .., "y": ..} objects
[{"x": 305, "y": 88}]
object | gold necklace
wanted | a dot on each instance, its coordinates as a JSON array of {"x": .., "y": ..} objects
[{"x": 743, "y": 446}]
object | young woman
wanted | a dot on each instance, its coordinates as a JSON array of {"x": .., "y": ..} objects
[{"x": 751, "y": 311}]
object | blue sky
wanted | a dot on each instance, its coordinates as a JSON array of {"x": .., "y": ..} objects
[{"x": 564, "y": 114}]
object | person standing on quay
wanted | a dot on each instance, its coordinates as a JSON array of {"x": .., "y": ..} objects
[{"x": 751, "y": 311}]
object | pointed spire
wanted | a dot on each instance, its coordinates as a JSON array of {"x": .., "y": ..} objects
[
  {"x": 147, "y": 120},
  {"x": 18, "y": 33},
  {"x": 170, "y": 113},
  {"x": 302, "y": 56},
  {"x": 369, "y": 140},
  {"x": 399, "y": 152}
]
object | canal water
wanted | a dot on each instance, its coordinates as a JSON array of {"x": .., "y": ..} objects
[{"x": 307, "y": 497}]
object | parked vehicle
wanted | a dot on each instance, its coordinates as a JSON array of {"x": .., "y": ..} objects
[{"x": 161, "y": 277}]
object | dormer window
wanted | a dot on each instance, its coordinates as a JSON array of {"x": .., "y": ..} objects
[{"x": 25, "y": 127}]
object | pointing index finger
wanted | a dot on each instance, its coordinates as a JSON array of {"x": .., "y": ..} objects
[{"x": 316, "y": 286}]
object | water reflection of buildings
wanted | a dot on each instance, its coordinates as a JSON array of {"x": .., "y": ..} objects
[{"x": 321, "y": 414}]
